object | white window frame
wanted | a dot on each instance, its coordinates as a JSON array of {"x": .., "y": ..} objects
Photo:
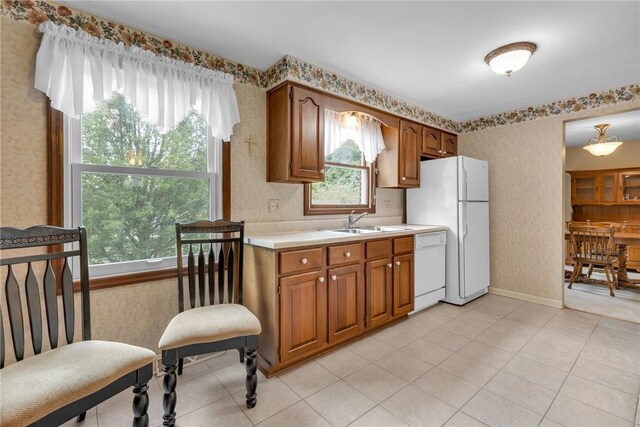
[{"x": 72, "y": 194}]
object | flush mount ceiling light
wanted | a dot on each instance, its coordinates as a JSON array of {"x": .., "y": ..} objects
[
  {"x": 510, "y": 58},
  {"x": 601, "y": 145}
]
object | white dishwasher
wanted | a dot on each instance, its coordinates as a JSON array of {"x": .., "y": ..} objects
[{"x": 429, "y": 271}]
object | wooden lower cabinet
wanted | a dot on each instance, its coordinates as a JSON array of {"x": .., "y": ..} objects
[
  {"x": 306, "y": 312},
  {"x": 303, "y": 309},
  {"x": 346, "y": 302},
  {"x": 379, "y": 285},
  {"x": 402, "y": 284}
]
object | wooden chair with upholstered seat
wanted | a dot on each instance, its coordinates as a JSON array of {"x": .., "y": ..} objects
[
  {"x": 59, "y": 382},
  {"x": 606, "y": 224},
  {"x": 593, "y": 246},
  {"x": 215, "y": 318}
]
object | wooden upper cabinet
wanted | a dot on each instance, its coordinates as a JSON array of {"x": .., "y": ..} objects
[
  {"x": 629, "y": 187},
  {"x": 436, "y": 144},
  {"x": 409, "y": 148},
  {"x": 605, "y": 187},
  {"x": 584, "y": 188},
  {"x": 303, "y": 307},
  {"x": 431, "y": 142},
  {"x": 345, "y": 302},
  {"x": 608, "y": 187},
  {"x": 296, "y": 135},
  {"x": 449, "y": 145},
  {"x": 307, "y": 141}
]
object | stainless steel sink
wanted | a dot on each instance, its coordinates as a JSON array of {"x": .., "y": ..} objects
[
  {"x": 357, "y": 230},
  {"x": 369, "y": 229}
]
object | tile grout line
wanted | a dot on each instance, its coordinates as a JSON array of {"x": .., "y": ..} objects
[{"x": 569, "y": 373}]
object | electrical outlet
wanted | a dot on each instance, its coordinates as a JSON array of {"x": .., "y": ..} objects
[
  {"x": 274, "y": 205},
  {"x": 387, "y": 204}
]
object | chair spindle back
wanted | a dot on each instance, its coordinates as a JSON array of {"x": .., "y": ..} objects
[
  {"x": 592, "y": 243},
  {"x": 47, "y": 237},
  {"x": 219, "y": 262}
]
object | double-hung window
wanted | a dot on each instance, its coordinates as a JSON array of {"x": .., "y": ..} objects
[
  {"x": 352, "y": 140},
  {"x": 347, "y": 182},
  {"x": 128, "y": 184}
]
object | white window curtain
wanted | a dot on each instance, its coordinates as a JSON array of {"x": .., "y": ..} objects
[
  {"x": 79, "y": 71},
  {"x": 362, "y": 129}
]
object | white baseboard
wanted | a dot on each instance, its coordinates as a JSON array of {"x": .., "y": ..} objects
[{"x": 526, "y": 297}]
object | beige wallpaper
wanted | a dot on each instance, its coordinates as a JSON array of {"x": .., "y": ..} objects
[
  {"x": 23, "y": 129},
  {"x": 626, "y": 156},
  {"x": 526, "y": 175}
]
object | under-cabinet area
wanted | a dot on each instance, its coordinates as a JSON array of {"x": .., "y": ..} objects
[
  {"x": 312, "y": 298},
  {"x": 296, "y": 117}
]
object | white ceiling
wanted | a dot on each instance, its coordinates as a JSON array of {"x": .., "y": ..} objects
[
  {"x": 626, "y": 126},
  {"x": 428, "y": 53}
]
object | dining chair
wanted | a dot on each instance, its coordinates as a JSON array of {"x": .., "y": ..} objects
[
  {"x": 211, "y": 318},
  {"x": 593, "y": 246},
  {"x": 606, "y": 224},
  {"x": 54, "y": 379}
]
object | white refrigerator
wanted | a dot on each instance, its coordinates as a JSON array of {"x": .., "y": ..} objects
[{"x": 454, "y": 192}]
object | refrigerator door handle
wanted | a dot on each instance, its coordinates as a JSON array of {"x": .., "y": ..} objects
[
  {"x": 465, "y": 229},
  {"x": 466, "y": 177}
]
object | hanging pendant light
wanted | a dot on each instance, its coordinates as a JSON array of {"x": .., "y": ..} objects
[
  {"x": 510, "y": 58},
  {"x": 601, "y": 145}
]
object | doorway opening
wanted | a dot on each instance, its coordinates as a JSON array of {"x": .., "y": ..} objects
[{"x": 602, "y": 201}]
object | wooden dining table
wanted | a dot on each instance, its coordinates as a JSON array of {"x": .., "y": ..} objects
[{"x": 622, "y": 239}]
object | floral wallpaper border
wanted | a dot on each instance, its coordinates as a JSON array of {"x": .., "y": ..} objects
[
  {"x": 295, "y": 69},
  {"x": 567, "y": 106},
  {"x": 290, "y": 68}
]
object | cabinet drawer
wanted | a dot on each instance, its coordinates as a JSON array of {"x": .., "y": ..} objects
[
  {"x": 378, "y": 249},
  {"x": 345, "y": 254},
  {"x": 403, "y": 245},
  {"x": 306, "y": 259}
]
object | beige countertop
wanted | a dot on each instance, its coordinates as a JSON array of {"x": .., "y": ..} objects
[{"x": 321, "y": 237}]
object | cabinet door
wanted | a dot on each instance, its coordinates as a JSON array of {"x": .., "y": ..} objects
[
  {"x": 629, "y": 187},
  {"x": 431, "y": 142},
  {"x": 608, "y": 188},
  {"x": 307, "y": 135},
  {"x": 584, "y": 189},
  {"x": 449, "y": 145},
  {"x": 303, "y": 307},
  {"x": 402, "y": 284},
  {"x": 379, "y": 289},
  {"x": 346, "y": 302},
  {"x": 409, "y": 154}
]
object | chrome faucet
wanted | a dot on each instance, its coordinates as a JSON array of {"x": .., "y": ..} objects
[{"x": 352, "y": 221}]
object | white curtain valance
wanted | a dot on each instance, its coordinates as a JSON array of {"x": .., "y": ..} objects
[
  {"x": 362, "y": 129},
  {"x": 79, "y": 71}
]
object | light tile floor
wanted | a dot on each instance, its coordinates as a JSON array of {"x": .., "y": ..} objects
[{"x": 496, "y": 361}]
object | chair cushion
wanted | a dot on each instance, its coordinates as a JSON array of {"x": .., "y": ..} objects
[
  {"x": 208, "y": 324},
  {"x": 42, "y": 384}
]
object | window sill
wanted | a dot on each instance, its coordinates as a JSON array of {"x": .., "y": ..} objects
[
  {"x": 105, "y": 282},
  {"x": 337, "y": 210}
]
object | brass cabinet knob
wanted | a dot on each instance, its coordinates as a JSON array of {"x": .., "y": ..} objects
[
  {"x": 404, "y": 178},
  {"x": 444, "y": 152},
  {"x": 347, "y": 254},
  {"x": 304, "y": 260},
  {"x": 321, "y": 279},
  {"x": 334, "y": 277},
  {"x": 389, "y": 265},
  {"x": 397, "y": 262}
]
